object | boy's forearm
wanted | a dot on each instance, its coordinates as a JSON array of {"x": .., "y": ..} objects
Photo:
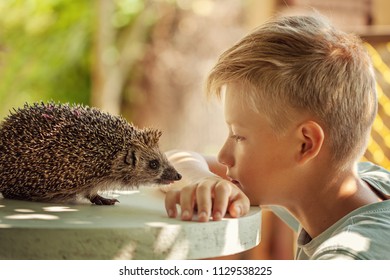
[
  {"x": 216, "y": 167},
  {"x": 192, "y": 166}
]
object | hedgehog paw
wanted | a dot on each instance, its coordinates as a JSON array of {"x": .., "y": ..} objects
[{"x": 99, "y": 200}]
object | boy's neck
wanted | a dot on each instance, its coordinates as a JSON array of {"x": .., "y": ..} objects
[{"x": 318, "y": 210}]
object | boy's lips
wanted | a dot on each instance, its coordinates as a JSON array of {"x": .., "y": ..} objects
[{"x": 235, "y": 182}]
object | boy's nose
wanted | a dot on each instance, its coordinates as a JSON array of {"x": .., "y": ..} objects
[{"x": 224, "y": 156}]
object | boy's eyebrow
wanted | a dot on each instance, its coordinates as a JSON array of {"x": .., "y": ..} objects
[{"x": 235, "y": 123}]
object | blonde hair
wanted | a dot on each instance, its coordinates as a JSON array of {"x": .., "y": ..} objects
[{"x": 303, "y": 64}]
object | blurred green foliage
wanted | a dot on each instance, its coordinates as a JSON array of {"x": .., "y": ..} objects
[
  {"x": 45, "y": 51},
  {"x": 46, "y": 48}
]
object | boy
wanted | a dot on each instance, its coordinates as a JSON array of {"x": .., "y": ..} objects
[{"x": 299, "y": 102}]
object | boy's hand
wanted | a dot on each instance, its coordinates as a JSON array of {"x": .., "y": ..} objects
[{"x": 210, "y": 196}]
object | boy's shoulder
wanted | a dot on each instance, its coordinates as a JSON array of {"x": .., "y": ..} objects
[
  {"x": 378, "y": 177},
  {"x": 363, "y": 233}
]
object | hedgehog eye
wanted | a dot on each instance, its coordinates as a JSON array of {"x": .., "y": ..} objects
[{"x": 154, "y": 164}]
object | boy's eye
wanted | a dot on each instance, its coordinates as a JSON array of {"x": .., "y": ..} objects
[{"x": 237, "y": 138}]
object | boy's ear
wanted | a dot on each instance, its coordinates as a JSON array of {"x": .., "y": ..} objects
[{"x": 311, "y": 137}]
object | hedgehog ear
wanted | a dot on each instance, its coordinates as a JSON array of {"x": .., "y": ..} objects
[
  {"x": 131, "y": 158},
  {"x": 151, "y": 136}
]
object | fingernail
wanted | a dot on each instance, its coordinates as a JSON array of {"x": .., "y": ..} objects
[
  {"x": 170, "y": 213},
  {"x": 217, "y": 216},
  {"x": 202, "y": 215},
  {"x": 238, "y": 211},
  {"x": 185, "y": 215}
]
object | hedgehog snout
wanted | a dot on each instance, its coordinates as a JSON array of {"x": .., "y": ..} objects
[
  {"x": 170, "y": 174},
  {"x": 177, "y": 177}
]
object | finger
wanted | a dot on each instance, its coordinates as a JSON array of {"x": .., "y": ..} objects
[
  {"x": 187, "y": 203},
  {"x": 222, "y": 192},
  {"x": 171, "y": 199},
  {"x": 239, "y": 205},
  {"x": 204, "y": 202}
]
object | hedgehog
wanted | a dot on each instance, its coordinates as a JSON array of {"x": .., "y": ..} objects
[{"x": 51, "y": 152}]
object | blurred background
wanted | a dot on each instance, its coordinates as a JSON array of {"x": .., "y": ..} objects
[{"x": 147, "y": 60}]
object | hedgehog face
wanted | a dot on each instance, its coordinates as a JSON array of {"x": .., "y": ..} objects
[{"x": 141, "y": 164}]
